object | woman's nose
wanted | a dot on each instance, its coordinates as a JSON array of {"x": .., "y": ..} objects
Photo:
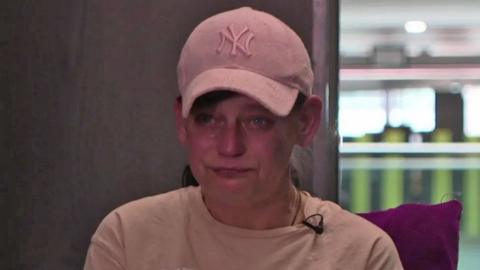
[{"x": 231, "y": 140}]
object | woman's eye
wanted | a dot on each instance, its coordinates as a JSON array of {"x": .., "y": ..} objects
[
  {"x": 260, "y": 122},
  {"x": 204, "y": 119}
]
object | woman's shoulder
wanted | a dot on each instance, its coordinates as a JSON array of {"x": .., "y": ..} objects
[
  {"x": 342, "y": 222},
  {"x": 156, "y": 209},
  {"x": 351, "y": 233}
]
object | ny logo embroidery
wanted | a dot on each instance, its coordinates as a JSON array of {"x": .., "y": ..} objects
[{"x": 230, "y": 35}]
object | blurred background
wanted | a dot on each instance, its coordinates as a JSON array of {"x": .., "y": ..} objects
[{"x": 409, "y": 103}]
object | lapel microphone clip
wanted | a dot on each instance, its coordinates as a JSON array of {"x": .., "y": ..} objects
[{"x": 312, "y": 224}]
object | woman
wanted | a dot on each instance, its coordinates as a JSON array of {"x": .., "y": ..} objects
[{"x": 245, "y": 81}]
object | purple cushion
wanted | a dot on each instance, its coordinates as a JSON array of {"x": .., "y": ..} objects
[{"x": 426, "y": 236}]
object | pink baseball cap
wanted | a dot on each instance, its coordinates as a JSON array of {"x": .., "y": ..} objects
[{"x": 249, "y": 52}]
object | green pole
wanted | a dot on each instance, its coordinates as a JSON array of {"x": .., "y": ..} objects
[
  {"x": 442, "y": 184},
  {"x": 472, "y": 200},
  {"x": 392, "y": 183},
  {"x": 360, "y": 187}
]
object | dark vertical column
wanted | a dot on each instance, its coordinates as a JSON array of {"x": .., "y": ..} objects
[
  {"x": 449, "y": 113},
  {"x": 325, "y": 57},
  {"x": 4, "y": 140}
]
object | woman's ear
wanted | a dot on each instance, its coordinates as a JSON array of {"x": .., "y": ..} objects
[
  {"x": 310, "y": 117},
  {"x": 180, "y": 121}
]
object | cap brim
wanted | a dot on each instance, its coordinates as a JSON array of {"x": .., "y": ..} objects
[{"x": 276, "y": 97}]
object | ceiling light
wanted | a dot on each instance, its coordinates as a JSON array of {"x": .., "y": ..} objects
[{"x": 415, "y": 26}]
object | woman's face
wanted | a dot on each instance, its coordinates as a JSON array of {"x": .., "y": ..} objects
[{"x": 239, "y": 151}]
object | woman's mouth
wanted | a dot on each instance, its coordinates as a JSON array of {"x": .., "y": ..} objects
[{"x": 231, "y": 172}]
